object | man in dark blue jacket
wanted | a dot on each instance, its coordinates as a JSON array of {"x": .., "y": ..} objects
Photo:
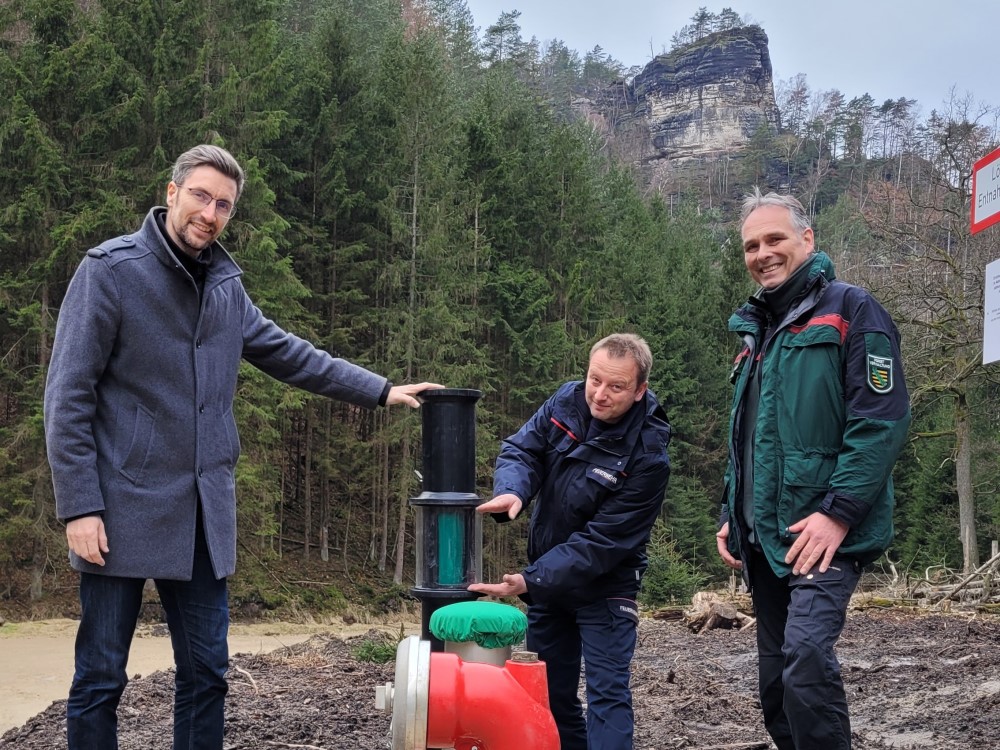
[{"x": 594, "y": 458}]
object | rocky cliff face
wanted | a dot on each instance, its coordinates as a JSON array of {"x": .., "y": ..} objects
[
  {"x": 710, "y": 96},
  {"x": 702, "y": 100}
]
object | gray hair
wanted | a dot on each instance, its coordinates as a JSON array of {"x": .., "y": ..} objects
[
  {"x": 755, "y": 200},
  {"x": 207, "y": 155},
  {"x": 628, "y": 345}
]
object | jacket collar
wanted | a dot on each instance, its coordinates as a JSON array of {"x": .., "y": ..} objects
[
  {"x": 646, "y": 417},
  {"x": 220, "y": 263},
  {"x": 751, "y": 316}
]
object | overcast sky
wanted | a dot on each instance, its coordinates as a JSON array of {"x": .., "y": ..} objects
[{"x": 919, "y": 49}]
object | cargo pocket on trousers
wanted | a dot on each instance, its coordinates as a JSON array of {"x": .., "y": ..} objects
[{"x": 806, "y": 588}]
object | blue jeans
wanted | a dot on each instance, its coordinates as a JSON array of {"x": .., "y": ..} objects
[
  {"x": 799, "y": 619},
  {"x": 198, "y": 619},
  {"x": 604, "y": 634}
]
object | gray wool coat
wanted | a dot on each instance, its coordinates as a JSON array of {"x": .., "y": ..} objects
[{"x": 139, "y": 400}]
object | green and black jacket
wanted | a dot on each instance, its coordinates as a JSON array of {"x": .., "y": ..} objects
[{"x": 832, "y": 417}]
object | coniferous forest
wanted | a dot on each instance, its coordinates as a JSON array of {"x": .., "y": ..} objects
[{"x": 421, "y": 199}]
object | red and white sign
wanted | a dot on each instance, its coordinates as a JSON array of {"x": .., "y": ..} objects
[{"x": 986, "y": 191}]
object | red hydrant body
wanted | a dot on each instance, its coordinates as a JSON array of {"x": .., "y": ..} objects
[{"x": 474, "y": 706}]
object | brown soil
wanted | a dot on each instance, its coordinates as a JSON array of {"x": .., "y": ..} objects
[{"x": 919, "y": 681}]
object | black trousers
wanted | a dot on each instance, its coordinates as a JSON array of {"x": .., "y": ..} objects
[{"x": 799, "y": 619}]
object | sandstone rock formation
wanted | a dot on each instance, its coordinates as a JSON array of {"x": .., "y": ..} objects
[
  {"x": 693, "y": 105},
  {"x": 708, "y": 97}
]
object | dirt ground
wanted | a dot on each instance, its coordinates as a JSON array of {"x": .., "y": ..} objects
[
  {"x": 915, "y": 681},
  {"x": 37, "y": 655}
]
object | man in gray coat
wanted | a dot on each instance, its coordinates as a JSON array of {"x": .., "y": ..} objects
[{"x": 143, "y": 445}]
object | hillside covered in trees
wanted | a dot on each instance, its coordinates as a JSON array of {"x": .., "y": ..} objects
[{"x": 424, "y": 199}]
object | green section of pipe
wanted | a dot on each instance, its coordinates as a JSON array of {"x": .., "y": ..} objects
[{"x": 450, "y": 546}]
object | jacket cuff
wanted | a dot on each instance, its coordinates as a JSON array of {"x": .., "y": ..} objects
[
  {"x": 844, "y": 508},
  {"x": 385, "y": 393},
  {"x": 723, "y": 516},
  {"x": 531, "y": 596}
]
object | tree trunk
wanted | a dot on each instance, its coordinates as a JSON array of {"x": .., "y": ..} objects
[
  {"x": 324, "y": 492},
  {"x": 42, "y": 495},
  {"x": 44, "y": 351},
  {"x": 404, "y": 480},
  {"x": 307, "y": 483},
  {"x": 397, "y": 575},
  {"x": 963, "y": 480},
  {"x": 383, "y": 506},
  {"x": 281, "y": 515}
]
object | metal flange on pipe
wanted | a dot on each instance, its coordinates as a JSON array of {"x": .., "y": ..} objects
[{"x": 407, "y": 698}]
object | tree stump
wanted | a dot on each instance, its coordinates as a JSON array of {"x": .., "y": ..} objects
[{"x": 710, "y": 611}]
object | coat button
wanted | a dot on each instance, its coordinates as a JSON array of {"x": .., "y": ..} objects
[
  {"x": 201, "y": 472},
  {"x": 201, "y": 409},
  {"x": 198, "y": 343}
]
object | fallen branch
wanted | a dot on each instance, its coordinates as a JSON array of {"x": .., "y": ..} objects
[
  {"x": 669, "y": 614},
  {"x": 879, "y": 602},
  {"x": 264, "y": 566},
  {"x": 978, "y": 571},
  {"x": 685, "y": 704},
  {"x": 249, "y": 677}
]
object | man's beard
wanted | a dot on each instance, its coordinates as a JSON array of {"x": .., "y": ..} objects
[{"x": 191, "y": 242}]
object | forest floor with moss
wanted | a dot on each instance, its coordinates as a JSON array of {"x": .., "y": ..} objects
[{"x": 914, "y": 681}]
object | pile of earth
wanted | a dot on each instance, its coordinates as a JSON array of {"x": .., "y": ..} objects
[{"x": 914, "y": 680}]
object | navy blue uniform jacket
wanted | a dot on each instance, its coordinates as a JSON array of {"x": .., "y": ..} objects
[{"x": 595, "y": 502}]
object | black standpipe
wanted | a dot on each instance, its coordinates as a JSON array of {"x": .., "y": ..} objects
[{"x": 448, "y": 528}]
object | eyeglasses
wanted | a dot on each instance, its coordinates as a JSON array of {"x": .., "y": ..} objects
[{"x": 223, "y": 208}]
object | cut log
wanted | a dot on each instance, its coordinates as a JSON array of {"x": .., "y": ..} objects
[{"x": 669, "y": 614}]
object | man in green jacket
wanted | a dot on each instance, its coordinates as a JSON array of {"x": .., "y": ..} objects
[{"x": 820, "y": 413}]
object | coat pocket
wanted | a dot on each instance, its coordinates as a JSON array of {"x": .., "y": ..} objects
[
  {"x": 233, "y": 436},
  {"x": 805, "y": 481},
  {"x": 138, "y": 445}
]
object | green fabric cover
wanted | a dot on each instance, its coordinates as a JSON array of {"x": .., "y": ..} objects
[{"x": 489, "y": 624}]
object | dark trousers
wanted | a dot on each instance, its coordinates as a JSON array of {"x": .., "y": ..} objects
[
  {"x": 198, "y": 618},
  {"x": 799, "y": 619},
  {"x": 604, "y": 635}
]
